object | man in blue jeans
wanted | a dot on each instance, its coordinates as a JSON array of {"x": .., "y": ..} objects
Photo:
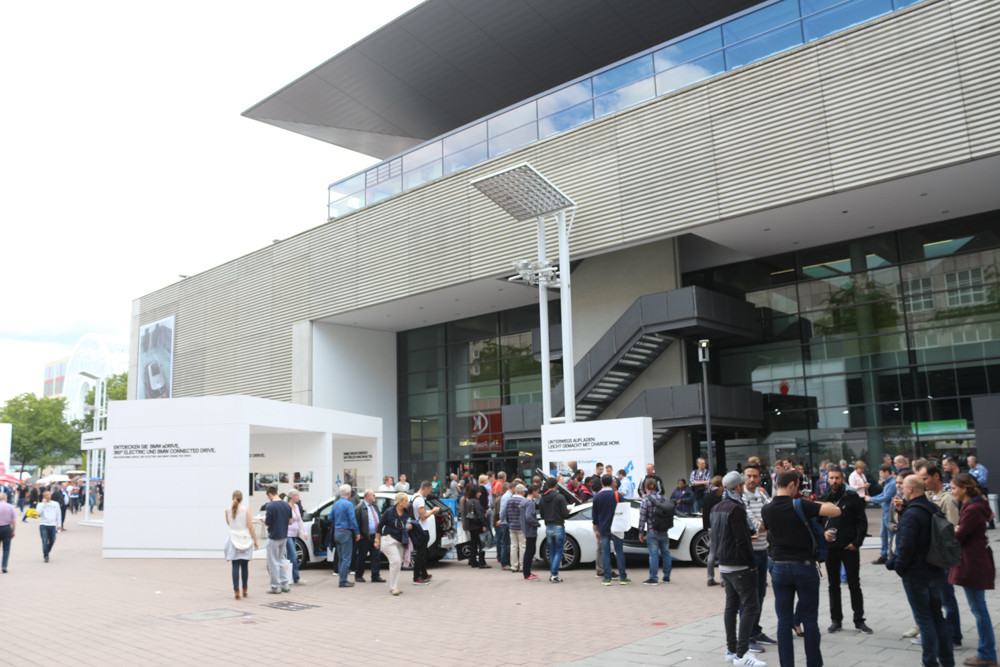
[
  {"x": 793, "y": 566},
  {"x": 656, "y": 537},
  {"x": 605, "y": 504},
  {"x": 921, "y": 580},
  {"x": 554, "y": 514},
  {"x": 345, "y": 533},
  {"x": 886, "y": 474},
  {"x": 502, "y": 527}
]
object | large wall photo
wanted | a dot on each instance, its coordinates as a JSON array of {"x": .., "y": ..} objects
[
  {"x": 156, "y": 355},
  {"x": 622, "y": 444}
]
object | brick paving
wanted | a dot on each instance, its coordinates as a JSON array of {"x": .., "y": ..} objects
[{"x": 92, "y": 611}]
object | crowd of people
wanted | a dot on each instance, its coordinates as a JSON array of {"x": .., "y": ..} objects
[{"x": 49, "y": 504}]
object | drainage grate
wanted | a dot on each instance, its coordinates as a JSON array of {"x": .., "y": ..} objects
[
  {"x": 210, "y": 615},
  {"x": 290, "y": 606}
]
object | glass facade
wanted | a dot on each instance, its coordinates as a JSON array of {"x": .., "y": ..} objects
[
  {"x": 453, "y": 379},
  {"x": 870, "y": 346},
  {"x": 744, "y": 39}
]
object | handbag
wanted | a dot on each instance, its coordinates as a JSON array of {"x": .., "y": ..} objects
[
  {"x": 486, "y": 540},
  {"x": 241, "y": 539},
  {"x": 622, "y": 521}
]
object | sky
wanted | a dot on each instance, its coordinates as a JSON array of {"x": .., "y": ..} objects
[{"x": 124, "y": 161}]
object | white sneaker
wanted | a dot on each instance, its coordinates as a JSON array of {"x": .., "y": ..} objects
[
  {"x": 749, "y": 661},
  {"x": 730, "y": 656}
]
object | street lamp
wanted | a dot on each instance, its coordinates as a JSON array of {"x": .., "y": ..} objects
[
  {"x": 703, "y": 358},
  {"x": 100, "y": 408},
  {"x": 527, "y": 195}
]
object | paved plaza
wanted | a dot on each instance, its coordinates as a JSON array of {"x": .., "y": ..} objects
[{"x": 85, "y": 610}]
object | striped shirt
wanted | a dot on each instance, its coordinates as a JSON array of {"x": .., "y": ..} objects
[{"x": 755, "y": 504}]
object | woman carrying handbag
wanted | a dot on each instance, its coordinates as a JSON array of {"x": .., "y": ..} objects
[
  {"x": 242, "y": 541},
  {"x": 474, "y": 522}
]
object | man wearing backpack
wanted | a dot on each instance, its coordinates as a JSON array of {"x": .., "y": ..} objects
[
  {"x": 845, "y": 535},
  {"x": 922, "y": 581},
  {"x": 794, "y": 570},
  {"x": 658, "y": 513},
  {"x": 930, "y": 475}
]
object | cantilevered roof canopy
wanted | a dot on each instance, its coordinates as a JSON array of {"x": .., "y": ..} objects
[{"x": 447, "y": 63}]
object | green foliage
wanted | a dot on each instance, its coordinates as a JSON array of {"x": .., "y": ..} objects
[
  {"x": 879, "y": 306},
  {"x": 41, "y": 434},
  {"x": 117, "y": 389}
]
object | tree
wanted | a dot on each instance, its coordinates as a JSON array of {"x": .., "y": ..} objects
[
  {"x": 117, "y": 389},
  {"x": 41, "y": 435}
]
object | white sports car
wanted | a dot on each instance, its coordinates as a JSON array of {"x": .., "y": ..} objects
[{"x": 688, "y": 538}]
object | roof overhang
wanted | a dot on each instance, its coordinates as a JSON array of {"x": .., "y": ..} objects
[{"x": 448, "y": 63}]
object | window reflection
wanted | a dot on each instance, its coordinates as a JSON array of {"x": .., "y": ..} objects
[
  {"x": 764, "y": 46},
  {"x": 760, "y": 21},
  {"x": 422, "y": 175},
  {"x": 509, "y": 120},
  {"x": 466, "y": 158},
  {"x": 623, "y": 74},
  {"x": 464, "y": 138},
  {"x": 513, "y": 139},
  {"x": 385, "y": 189},
  {"x": 624, "y": 97},
  {"x": 843, "y": 16},
  {"x": 564, "y": 120},
  {"x": 565, "y": 98},
  {"x": 688, "y": 49},
  {"x": 689, "y": 73},
  {"x": 422, "y": 156}
]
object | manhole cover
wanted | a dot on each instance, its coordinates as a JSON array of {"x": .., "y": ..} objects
[
  {"x": 210, "y": 615},
  {"x": 290, "y": 606}
]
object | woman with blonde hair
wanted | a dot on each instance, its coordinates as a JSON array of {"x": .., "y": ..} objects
[
  {"x": 858, "y": 480},
  {"x": 241, "y": 539},
  {"x": 393, "y": 537}
]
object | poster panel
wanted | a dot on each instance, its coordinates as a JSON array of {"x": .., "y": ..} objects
[
  {"x": 156, "y": 355},
  {"x": 622, "y": 444}
]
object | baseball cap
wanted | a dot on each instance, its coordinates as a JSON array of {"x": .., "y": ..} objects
[{"x": 733, "y": 479}]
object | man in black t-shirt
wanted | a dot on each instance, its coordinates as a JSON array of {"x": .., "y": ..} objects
[{"x": 793, "y": 561}]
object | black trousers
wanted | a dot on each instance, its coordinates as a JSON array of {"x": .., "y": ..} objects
[
  {"x": 477, "y": 556},
  {"x": 529, "y": 554},
  {"x": 419, "y": 538},
  {"x": 365, "y": 548},
  {"x": 852, "y": 565}
]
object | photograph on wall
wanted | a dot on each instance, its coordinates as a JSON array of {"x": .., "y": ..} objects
[
  {"x": 306, "y": 477},
  {"x": 565, "y": 468},
  {"x": 262, "y": 480},
  {"x": 302, "y": 488},
  {"x": 253, "y": 484},
  {"x": 156, "y": 355},
  {"x": 283, "y": 477},
  {"x": 351, "y": 476}
]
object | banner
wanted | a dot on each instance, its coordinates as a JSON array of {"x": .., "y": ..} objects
[
  {"x": 621, "y": 444},
  {"x": 156, "y": 355}
]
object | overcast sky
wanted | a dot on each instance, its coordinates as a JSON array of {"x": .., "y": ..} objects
[{"x": 125, "y": 161}]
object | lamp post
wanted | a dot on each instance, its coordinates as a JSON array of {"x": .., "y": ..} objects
[
  {"x": 100, "y": 414},
  {"x": 527, "y": 195},
  {"x": 703, "y": 358}
]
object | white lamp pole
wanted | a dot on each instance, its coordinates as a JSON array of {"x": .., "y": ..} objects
[{"x": 527, "y": 195}]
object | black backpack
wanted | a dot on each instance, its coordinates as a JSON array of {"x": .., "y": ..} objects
[
  {"x": 663, "y": 515},
  {"x": 945, "y": 550}
]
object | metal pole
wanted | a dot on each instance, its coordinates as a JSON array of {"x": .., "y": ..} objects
[
  {"x": 566, "y": 305},
  {"x": 86, "y": 489},
  {"x": 708, "y": 419},
  {"x": 543, "y": 322}
]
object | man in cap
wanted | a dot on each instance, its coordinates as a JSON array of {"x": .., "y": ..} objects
[{"x": 731, "y": 528}]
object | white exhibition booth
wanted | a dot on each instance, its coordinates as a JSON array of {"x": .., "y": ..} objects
[
  {"x": 621, "y": 444},
  {"x": 173, "y": 464}
]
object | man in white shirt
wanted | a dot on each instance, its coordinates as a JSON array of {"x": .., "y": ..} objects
[
  {"x": 49, "y": 518},
  {"x": 387, "y": 485},
  {"x": 420, "y": 576},
  {"x": 402, "y": 485},
  {"x": 755, "y": 498}
]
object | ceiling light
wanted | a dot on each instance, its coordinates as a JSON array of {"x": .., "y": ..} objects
[{"x": 847, "y": 412}]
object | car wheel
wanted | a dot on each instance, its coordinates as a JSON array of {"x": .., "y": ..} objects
[
  {"x": 300, "y": 552},
  {"x": 571, "y": 553},
  {"x": 699, "y": 548}
]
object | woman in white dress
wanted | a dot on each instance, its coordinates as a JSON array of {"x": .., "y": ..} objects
[{"x": 242, "y": 541}]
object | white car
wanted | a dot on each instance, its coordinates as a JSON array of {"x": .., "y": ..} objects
[
  {"x": 312, "y": 547},
  {"x": 688, "y": 538}
]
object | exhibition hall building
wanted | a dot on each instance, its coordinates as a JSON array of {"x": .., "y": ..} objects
[{"x": 811, "y": 186}]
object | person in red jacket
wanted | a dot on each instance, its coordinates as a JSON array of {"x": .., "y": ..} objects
[{"x": 976, "y": 572}]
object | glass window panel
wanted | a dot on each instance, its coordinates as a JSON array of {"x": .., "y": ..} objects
[
  {"x": 422, "y": 156},
  {"x": 847, "y": 290},
  {"x": 385, "y": 189},
  {"x": 473, "y": 329},
  {"x": 512, "y": 119},
  {"x": 464, "y": 138},
  {"x": 760, "y": 363},
  {"x": 755, "y": 274},
  {"x": 565, "y": 98},
  {"x": 623, "y": 74},
  {"x": 624, "y": 97},
  {"x": 347, "y": 205},
  {"x": 780, "y": 300},
  {"x": 841, "y": 17},
  {"x": 760, "y": 21},
  {"x": 688, "y": 49},
  {"x": 348, "y": 186},
  {"x": 940, "y": 311},
  {"x": 423, "y": 174},
  {"x": 850, "y": 257},
  {"x": 427, "y": 404},
  {"x": 565, "y": 120},
  {"x": 467, "y": 158},
  {"x": 418, "y": 383},
  {"x": 514, "y": 139},
  {"x": 899, "y": 4},
  {"x": 857, "y": 354},
  {"x": 764, "y": 46},
  {"x": 975, "y": 233},
  {"x": 689, "y": 73},
  {"x": 425, "y": 360},
  {"x": 418, "y": 339},
  {"x": 854, "y": 321}
]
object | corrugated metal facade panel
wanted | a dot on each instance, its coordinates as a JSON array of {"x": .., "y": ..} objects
[
  {"x": 906, "y": 93},
  {"x": 977, "y": 34}
]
